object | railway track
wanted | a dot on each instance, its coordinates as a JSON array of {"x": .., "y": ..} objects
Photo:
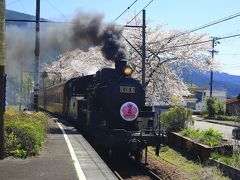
[
  {"x": 150, "y": 173},
  {"x": 154, "y": 170},
  {"x": 127, "y": 168},
  {"x": 146, "y": 174}
]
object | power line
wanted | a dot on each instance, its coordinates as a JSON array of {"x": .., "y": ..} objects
[
  {"x": 228, "y": 54},
  {"x": 125, "y": 10},
  {"x": 137, "y": 14},
  {"x": 13, "y": 2},
  {"x": 136, "y": 26},
  {"x": 216, "y": 22},
  {"x": 47, "y": 21},
  {"x": 54, "y": 7},
  {"x": 125, "y": 26},
  {"x": 232, "y": 68},
  {"x": 204, "y": 26},
  {"x": 231, "y": 65},
  {"x": 227, "y": 37},
  {"x": 200, "y": 42}
]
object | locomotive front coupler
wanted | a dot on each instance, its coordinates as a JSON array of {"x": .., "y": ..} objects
[{"x": 136, "y": 145}]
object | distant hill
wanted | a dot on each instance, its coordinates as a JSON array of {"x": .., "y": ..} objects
[
  {"x": 221, "y": 81},
  {"x": 17, "y": 15},
  {"x": 14, "y": 15}
]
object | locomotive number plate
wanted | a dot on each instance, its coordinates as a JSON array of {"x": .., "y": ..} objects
[{"x": 126, "y": 89}]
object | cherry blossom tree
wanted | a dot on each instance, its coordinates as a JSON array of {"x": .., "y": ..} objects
[{"x": 167, "y": 54}]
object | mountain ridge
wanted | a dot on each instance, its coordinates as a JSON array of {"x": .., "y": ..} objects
[{"x": 221, "y": 81}]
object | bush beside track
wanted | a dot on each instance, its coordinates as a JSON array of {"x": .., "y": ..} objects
[{"x": 24, "y": 133}]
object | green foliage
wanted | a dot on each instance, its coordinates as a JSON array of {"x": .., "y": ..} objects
[
  {"x": 193, "y": 134},
  {"x": 224, "y": 159},
  {"x": 226, "y": 118},
  {"x": 214, "y": 107},
  {"x": 233, "y": 160},
  {"x": 211, "y": 107},
  {"x": 236, "y": 158},
  {"x": 211, "y": 137},
  {"x": 25, "y": 133},
  {"x": 208, "y": 137},
  {"x": 176, "y": 118}
]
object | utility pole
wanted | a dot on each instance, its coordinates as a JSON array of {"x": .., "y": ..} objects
[
  {"x": 143, "y": 54},
  {"x": 143, "y": 47},
  {"x": 2, "y": 75},
  {"x": 214, "y": 41},
  {"x": 37, "y": 47}
]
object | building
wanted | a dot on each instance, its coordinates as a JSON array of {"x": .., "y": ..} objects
[
  {"x": 233, "y": 106},
  {"x": 220, "y": 95},
  {"x": 195, "y": 100}
]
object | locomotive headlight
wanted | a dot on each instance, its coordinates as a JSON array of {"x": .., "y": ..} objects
[{"x": 128, "y": 70}]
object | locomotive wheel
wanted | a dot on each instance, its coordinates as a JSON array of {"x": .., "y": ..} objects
[{"x": 118, "y": 154}]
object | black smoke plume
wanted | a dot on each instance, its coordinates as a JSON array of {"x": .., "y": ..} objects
[
  {"x": 90, "y": 30},
  {"x": 113, "y": 47},
  {"x": 84, "y": 31}
]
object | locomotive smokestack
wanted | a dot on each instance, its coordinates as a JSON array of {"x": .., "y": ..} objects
[{"x": 120, "y": 65}]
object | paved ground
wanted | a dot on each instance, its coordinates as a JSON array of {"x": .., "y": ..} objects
[
  {"x": 224, "y": 127},
  {"x": 226, "y": 130},
  {"x": 54, "y": 162}
]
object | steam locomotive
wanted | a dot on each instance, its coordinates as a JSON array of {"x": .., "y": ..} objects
[{"x": 109, "y": 107}]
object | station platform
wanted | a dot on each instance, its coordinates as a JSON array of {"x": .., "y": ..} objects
[{"x": 65, "y": 155}]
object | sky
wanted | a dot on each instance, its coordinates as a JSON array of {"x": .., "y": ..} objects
[{"x": 173, "y": 14}]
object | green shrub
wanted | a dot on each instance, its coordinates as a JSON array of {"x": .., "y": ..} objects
[
  {"x": 214, "y": 107},
  {"x": 193, "y": 134},
  {"x": 208, "y": 137},
  {"x": 176, "y": 118},
  {"x": 226, "y": 118},
  {"x": 211, "y": 137},
  {"x": 25, "y": 133}
]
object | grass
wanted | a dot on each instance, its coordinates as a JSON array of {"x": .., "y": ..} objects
[
  {"x": 225, "y": 118},
  {"x": 233, "y": 160},
  {"x": 220, "y": 117},
  {"x": 194, "y": 170}
]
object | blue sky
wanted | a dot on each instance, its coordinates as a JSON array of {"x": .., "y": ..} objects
[{"x": 174, "y": 14}]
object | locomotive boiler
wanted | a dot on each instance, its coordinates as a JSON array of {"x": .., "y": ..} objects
[{"x": 109, "y": 107}]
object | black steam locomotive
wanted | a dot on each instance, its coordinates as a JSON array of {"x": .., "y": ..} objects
[{"x": 108, "y": 106}]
